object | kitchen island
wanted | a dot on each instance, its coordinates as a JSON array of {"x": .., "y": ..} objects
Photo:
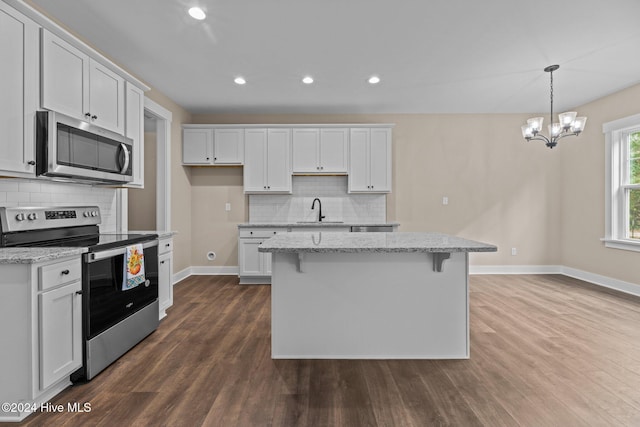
[{"x": 370, "y": 295}]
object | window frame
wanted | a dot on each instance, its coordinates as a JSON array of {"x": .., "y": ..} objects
[{"x": 616, "y": 169}]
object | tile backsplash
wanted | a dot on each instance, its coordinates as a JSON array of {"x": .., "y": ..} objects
[
  {"x": 337, "y": 204},
  {"x": 31, "y": 192}
]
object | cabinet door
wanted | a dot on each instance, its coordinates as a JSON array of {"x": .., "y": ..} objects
[
  {"x": 255, "y": 160},
  {"x": 304, "y": 146},
  {"x": 65, "y": 77},
  {"x": 265, "y": 259},
  {"x": 249, "y": 259},
  {"x": 279, "y": 160},
  {"x": 165, "y": 288},
  {"x": 228, "y": 146},
  {"x": 19, "y": 89},
  {"x": 60, "y": 327},
  {"x": 359, "y": 160},
  {"x": 106, "y": 97},
  {"x": 134, "y": 129},
  {"x": 333, "y": 150},
  {"x": 380, "y": 160},
  {"x": 197, "y": 146}
]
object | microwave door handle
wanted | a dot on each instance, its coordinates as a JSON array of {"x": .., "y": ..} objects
[{"x": 125, "y": 150}]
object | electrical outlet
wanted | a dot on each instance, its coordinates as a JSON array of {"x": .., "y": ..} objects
[
  {"x": 227, "y": 207},
  {"x": 514, "y": 251},
  {"x": 445, "y": 200}
]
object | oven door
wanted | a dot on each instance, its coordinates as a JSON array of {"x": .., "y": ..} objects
[{"x": 105, "y": 301}]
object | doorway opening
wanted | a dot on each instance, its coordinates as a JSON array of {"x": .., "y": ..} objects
[{"x": 149, "y": 208}]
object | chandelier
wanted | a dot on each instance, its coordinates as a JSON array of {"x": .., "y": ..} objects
[{"x": 568, "y": 124}]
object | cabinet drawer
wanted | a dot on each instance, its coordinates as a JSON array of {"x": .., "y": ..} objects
[
  {"x": 52, "y": 275},
  {"x": 261, "y": 232},
  {"x": 164, "y": 246}
]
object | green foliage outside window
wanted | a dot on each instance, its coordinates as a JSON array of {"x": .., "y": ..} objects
[{"x": 634, "y": 178}]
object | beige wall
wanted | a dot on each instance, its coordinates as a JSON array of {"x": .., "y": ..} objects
[
  {"x": 583, "y": 198},
  {"x": 501, "y": 189}
]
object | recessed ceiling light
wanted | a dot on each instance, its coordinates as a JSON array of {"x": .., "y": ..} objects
[
  {"x": 374, "y": 80},
  {"x": 307, "y": 80},
  {"x": 197, "y": 13},
  {"x": 239, "y": 80}
]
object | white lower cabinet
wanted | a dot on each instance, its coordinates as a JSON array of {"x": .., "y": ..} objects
[
  {"x": 255, "y": 267},
  {"x": 41, "y": 329},
  {"x": 60, "y": 333},
  {"x": 165, "y": 275}
]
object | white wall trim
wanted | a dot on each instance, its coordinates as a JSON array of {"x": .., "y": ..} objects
[
  {"x": 205, "y": 271},
  {"x": 163, "y": 175},
  {"x": 514, "y": 269},
  {"x": 607, "y": 282}
]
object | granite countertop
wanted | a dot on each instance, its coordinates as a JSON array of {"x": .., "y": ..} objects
[
  {"x": 372, "y": 242},
  {"x": 162, "y": 234},
  {"x": 32, "y": 255},
  {"x": 315, "y": 224}
]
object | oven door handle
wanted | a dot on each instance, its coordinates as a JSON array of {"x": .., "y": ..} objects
[{"x": 100, "y": 255}]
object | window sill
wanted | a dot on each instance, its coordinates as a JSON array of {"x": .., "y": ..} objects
[{"x": 627, "y": 245}]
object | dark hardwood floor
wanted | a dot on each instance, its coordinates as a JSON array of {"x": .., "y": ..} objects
[{"x": 545, "y": 351}]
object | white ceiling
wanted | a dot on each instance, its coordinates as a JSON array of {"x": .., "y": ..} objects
[{"x": 433, "y": 56}]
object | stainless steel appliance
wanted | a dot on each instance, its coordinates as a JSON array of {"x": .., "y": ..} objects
[
  {"x": 71, "y": 149},
  {"x": 114, "y": 320}
]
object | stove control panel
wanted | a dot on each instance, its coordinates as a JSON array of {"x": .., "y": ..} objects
[{"x": 35, "y": 218}]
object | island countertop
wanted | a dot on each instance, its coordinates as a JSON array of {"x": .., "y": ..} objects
[{"x": 398, "y": 242}]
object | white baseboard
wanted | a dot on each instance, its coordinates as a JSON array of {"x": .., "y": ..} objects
[
  {"x": 596, "y": 279},
  {"x": 607, "y": 282},
  {"x": 515, "y": 269},
  {"x": 205, "y": 271}
]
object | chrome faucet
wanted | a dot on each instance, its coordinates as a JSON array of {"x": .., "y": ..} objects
[{"x": 313, "y": 205}]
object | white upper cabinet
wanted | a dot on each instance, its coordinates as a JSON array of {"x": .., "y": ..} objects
[
  {"x": 267, "y": 162},
  {"x": 19, "y": 88},
  {"x": 334, "y": 150},
  {"x": 228, "y": 146},
  {"x": 208, "y": 145},
  {"x": 305, "y": 146},
  {"x": 106, "y": 97},
  {"x": 197, "y": 146},
  {"x": 134, "y": 129},
  {"x": 320, "y": 150},
  {"x": 370, "y": 160},
  {"x": 80, "y": 87}
]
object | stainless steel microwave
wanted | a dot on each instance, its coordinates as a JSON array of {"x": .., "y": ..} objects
[{"x": 72, "y": 149}]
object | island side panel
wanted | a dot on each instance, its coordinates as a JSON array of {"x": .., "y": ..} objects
[{"x": 369, "y": 306}]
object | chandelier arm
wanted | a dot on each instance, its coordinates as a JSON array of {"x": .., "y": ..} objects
[
  {"x": 540, "y": 137},
  {"x": 562, "y": 135}
]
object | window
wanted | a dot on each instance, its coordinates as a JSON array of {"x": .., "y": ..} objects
[{"x": 623, "y": 183}]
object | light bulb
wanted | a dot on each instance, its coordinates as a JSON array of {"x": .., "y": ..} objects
[{"x": 197, "y": 13}]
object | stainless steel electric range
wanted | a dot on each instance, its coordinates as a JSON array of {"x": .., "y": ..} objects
[{"x": 114, "y": 318}]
